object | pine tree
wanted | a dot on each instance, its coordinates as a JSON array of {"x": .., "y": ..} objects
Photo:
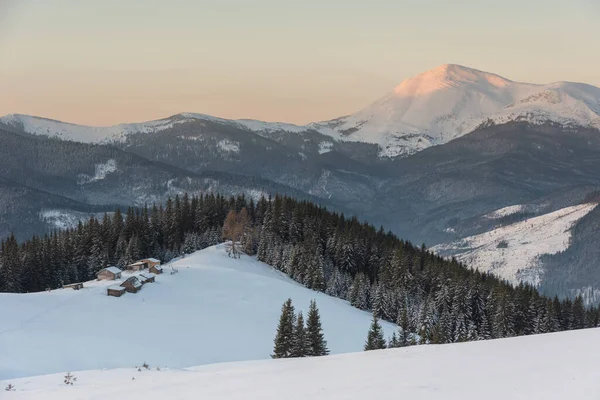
[
  {"x": 300, "y": 343},
  {"x": 578, "y": 313},
  {"x": 404, "y": 325},
  {"x": 375, "y": 339},
  {"x": 317, "y": 345},
  {"x": 285, "y": 331}
]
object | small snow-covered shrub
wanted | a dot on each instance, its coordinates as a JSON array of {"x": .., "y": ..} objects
[{"x": 70, "y": 379}]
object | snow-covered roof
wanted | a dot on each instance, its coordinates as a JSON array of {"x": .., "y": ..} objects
[
  {"x": 136, "y": 263},
  {"x": 116, "y": 287},
  {"x": 114, "y": 270},
  {"x": 158, "y": 267},
  {"x": 154, "y": 260},
  {"x": 134, "y": 281}
]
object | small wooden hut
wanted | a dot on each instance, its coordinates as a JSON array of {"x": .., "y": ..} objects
[
  {"x": 136, "y": 266},
  {"x": 74, "y": 286},
  {"x": 132, "y": 284},
  {"x": 156, "y": 269},
  {"x": 146, "y": 277},
  {"x": 116, "y": 291},
  {"x": 109, "y": 274},
  {"x": 150, "y": 262}
]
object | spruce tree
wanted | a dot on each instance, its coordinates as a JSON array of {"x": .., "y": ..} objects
[
  {"x": 300, "y": 343},
  {"x": 317, "y": 345},
  {"x": 285, "y": 331},
  {"x": 375, "y": 339},
  {"x": 403, "y": 324}
]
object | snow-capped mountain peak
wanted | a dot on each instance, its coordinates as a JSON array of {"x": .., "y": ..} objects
[
  {"x": 449, "y": 101},
  {"x": 445, "y": 76}
]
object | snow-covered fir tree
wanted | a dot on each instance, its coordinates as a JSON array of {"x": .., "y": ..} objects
[
  {"x": 375, "y": 339},
  {"x": 284, "y": 338},
  {"x": 317, "y": 345},
  {"x": 300, "y": 343}
]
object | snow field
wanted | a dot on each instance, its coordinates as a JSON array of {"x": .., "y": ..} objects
[
  {"x": 215, "y": 309},
  {"x": 551, "y": 366}
]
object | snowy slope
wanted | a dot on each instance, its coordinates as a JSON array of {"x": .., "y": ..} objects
[
  {"x": 430, "y": 109},
  {"x": 216, "y": 309},
  {"x": 512, "y": 252},
  {"x": 90, "y": 134},
  {"x": 451, "y": 100},
  {"x": 80, "y": 133},
  {"x": 552, "y": 366}
]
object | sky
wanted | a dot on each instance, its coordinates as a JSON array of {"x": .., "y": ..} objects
[{"x": 112, "y": 61}]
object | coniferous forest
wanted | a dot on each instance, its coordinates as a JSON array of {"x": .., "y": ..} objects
[{"x": 431, "y": 299}]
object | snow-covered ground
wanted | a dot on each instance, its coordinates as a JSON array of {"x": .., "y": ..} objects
[
  {"x": 546, "y": 367},
  {"x": 62, "y": 219},
  {"x": 325, "y": 147},
  {"x": 101, "y": 171},
  {"x": 504, "y": 212},
  {"x": 229, "y": 146},
  {"x": 81, "y": 133},
  {"x": 429, "y": 109},
  {"x": 512, "y": 252},
  {"x": 216, "y": 309}
]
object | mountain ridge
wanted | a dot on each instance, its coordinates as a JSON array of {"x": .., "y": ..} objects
[{"x": 428, "y": 109}]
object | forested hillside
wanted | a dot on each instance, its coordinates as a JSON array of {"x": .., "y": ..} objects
[{"x": 432, "y": 299}]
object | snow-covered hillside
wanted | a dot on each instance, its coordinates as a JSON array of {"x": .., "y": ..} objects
[
  {"x": 551, "y": 366},
  {"x": 430, "y": 109},
  {"x": 512, "y": 252},
  {"x": 91, "y": 134},
  {"x": 80, "y": 133},
  {"x": 63, "y": 219},
  {"x": 216, "y": 309}
]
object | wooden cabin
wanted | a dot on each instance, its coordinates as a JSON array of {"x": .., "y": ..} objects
[
  {"x": 109, "y": 274},
  {"x": 150, "y": 262},
  {"x": 74, "y": 286},
  {"x": 137, "y": 266},
  {"x": 116, "y": 291},
  {"x": 156, "y": 269},
  {"x": 132, "y": 285},
  {"x": 147, "y": 277}
]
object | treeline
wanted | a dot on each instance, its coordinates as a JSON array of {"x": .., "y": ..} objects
[{"x": 433, "y": 300}]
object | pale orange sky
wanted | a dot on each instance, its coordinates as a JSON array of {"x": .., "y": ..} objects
[{"x": 114, "y": 61}]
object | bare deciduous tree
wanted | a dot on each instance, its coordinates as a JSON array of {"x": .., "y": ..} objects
[{"x": 237, "y": 229}]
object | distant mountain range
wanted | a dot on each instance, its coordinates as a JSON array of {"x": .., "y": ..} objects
[
  {"x": 447, "y": 158},
  {"x": 430, "y": 109}
]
